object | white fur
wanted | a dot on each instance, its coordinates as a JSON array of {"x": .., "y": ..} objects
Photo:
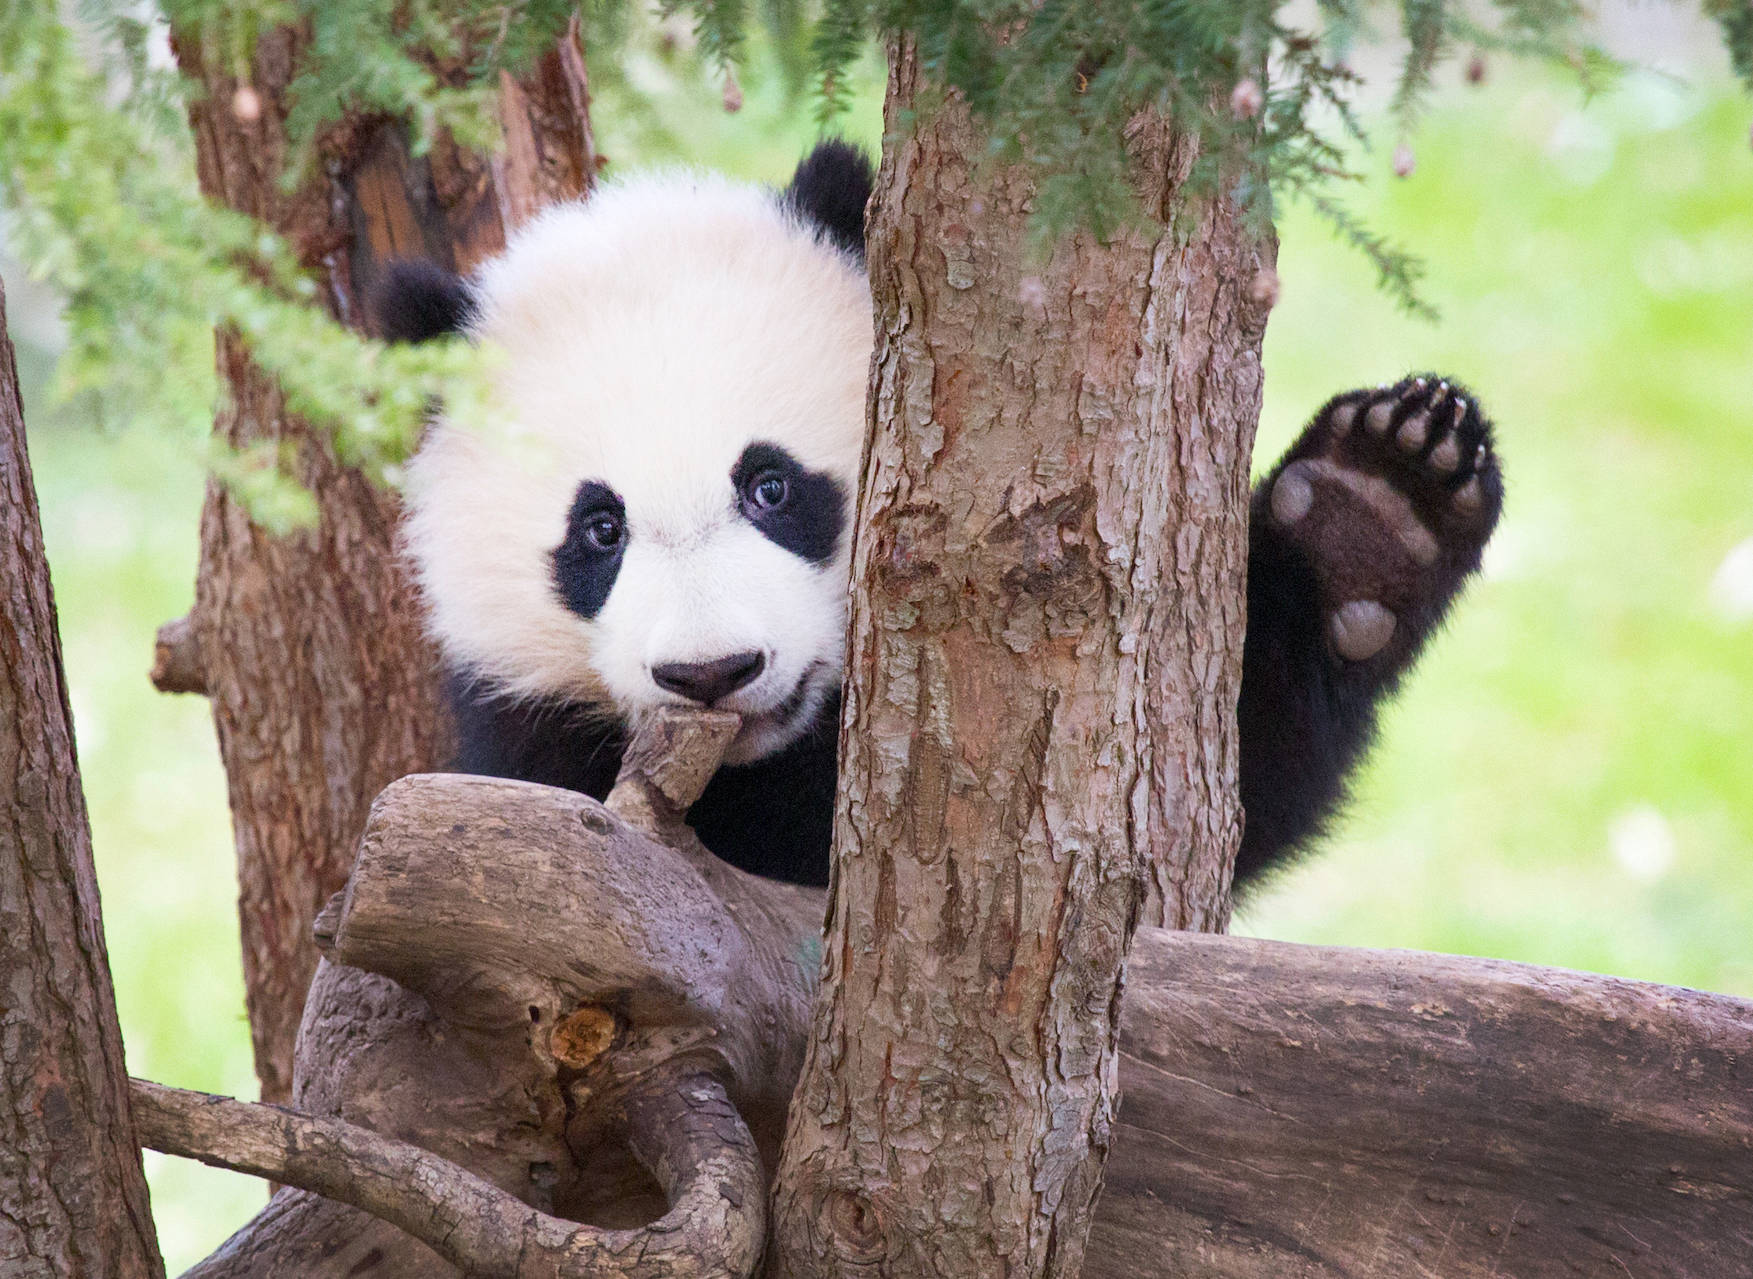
[{"x": 643, "y": 339}]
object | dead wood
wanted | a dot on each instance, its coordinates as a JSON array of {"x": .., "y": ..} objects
[
  {"x": 514, "y": 972},
  {"x": 684, "y": 1129},
  {"x": 619, "y": 1029},
  {"x": 1288, "y": 1112},
  {"x": 176, "y": 659}
]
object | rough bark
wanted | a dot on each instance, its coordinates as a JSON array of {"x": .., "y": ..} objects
[
  {"x": 1044, "y": 657},
  {"x": 310, "y": 645},
  {"x": 1288, "y": 1112},
  {"x": 72, "y": 1192}
]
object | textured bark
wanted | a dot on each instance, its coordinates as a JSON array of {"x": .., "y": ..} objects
[
  {"x": 72, "y": 1192},
  {"x": 310, "y": 645},
  {"x": 1044, "y": 660}
]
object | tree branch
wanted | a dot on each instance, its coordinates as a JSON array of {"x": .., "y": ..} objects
[{"x": 682, "y": 1128}]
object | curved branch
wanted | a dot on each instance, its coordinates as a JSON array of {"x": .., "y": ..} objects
[{"x": 683, "y": 1129}]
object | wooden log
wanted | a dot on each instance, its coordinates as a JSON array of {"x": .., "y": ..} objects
[
  {"x": 1287, "y": 1111},
  {"x": 1301, "y": 1112},
  {"x": 608, "y": 1029}
]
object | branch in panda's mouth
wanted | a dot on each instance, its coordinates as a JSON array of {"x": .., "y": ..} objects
[{"x": 674, "y": 752}]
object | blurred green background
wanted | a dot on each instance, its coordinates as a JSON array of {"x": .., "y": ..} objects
[{"x": 1567, "y": 780}]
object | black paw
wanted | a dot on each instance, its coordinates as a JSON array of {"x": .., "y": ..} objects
[{"x": 1390, "y": 494}]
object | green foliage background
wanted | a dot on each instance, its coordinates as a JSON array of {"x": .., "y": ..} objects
[{"x": 1566, "y": 780}]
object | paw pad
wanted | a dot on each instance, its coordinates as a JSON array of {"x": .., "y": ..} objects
[
  {"x": 1292, "y": 494},
  {"x": 1360, "y": 630},
  {"x": 1390, "y": 494}
]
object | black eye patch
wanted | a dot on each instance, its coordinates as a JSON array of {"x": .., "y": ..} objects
[
  {"x": 587, "y": 562},
  {"x": 803, "y": 511}
]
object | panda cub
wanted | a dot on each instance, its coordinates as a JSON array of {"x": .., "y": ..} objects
[{"x": 659, "y": 511}]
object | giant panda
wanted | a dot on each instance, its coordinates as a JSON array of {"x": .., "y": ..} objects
[{"x": 658, "y": 513}]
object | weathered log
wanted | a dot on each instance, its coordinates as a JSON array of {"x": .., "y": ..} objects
[
  {"x": 504, "y": 1051},
  {"x": 1303, "y": 1112},
  {"x": 1287, "y": 1111}
]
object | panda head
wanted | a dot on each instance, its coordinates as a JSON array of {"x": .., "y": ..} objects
[{"x": 656, "y": 508}]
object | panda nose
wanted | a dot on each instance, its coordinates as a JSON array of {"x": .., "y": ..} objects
[{"x": 707, "y": 682}]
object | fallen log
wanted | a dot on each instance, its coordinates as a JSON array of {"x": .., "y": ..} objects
[{"x": 510, "y": 962}]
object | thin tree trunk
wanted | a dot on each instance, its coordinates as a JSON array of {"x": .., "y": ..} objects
[
  {"x": 72, "y": 1192},
  {"x": 1044, "y": 658},
  {"x": 310, "y": 645}
]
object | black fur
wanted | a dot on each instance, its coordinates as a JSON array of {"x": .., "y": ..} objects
[
  {"x": 418, "y": 300},
  {"x": 584, "y": 570},
  {"x": 774, "y": 817},
  {"x": 831, "y": 188},
  {"x": 1307, "y": 715},
  {"x": 809, "y": 521}
]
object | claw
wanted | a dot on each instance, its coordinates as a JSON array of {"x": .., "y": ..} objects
[{"x": 1360, "y": 630}]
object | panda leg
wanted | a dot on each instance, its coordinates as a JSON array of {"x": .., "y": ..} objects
[{"x": 1359, "y": 541}]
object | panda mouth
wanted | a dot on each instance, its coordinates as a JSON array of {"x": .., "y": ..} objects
[{"x": 785, "y": 714}]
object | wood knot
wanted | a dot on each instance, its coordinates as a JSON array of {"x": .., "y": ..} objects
[
  {"x": 583, "y": 1035},
  {"x": 855, "y": 1225}
]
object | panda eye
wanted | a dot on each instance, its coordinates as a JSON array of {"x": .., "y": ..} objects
[
  {"x": 768, "y": 490},
  {"x": 605, "y": 531}
]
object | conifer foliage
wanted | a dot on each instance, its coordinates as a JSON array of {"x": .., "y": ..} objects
[{"x": 97, "y": 177}]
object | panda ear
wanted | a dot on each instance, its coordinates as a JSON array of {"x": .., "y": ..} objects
[
  {"x": 830, "y": 189},
  {"x": 418, "y": 300}
]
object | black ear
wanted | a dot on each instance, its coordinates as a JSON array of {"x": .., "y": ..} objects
[
  {"x": 417, "y": 300},
  {"x": 830, "y": 189}
]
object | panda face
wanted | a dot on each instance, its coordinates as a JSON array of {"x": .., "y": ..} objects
[
  {"x": 658, "y": 511},
  {"x": 729, "y": 594}
]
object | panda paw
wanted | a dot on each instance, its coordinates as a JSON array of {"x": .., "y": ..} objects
[{"x": 1390, "y": 494}]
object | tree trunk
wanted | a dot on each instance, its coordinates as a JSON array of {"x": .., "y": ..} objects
[
  {"x": 1044, "y": 658},
  {"x": 310, "y": 645},
  {"x": 72, "y": 1192}
]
